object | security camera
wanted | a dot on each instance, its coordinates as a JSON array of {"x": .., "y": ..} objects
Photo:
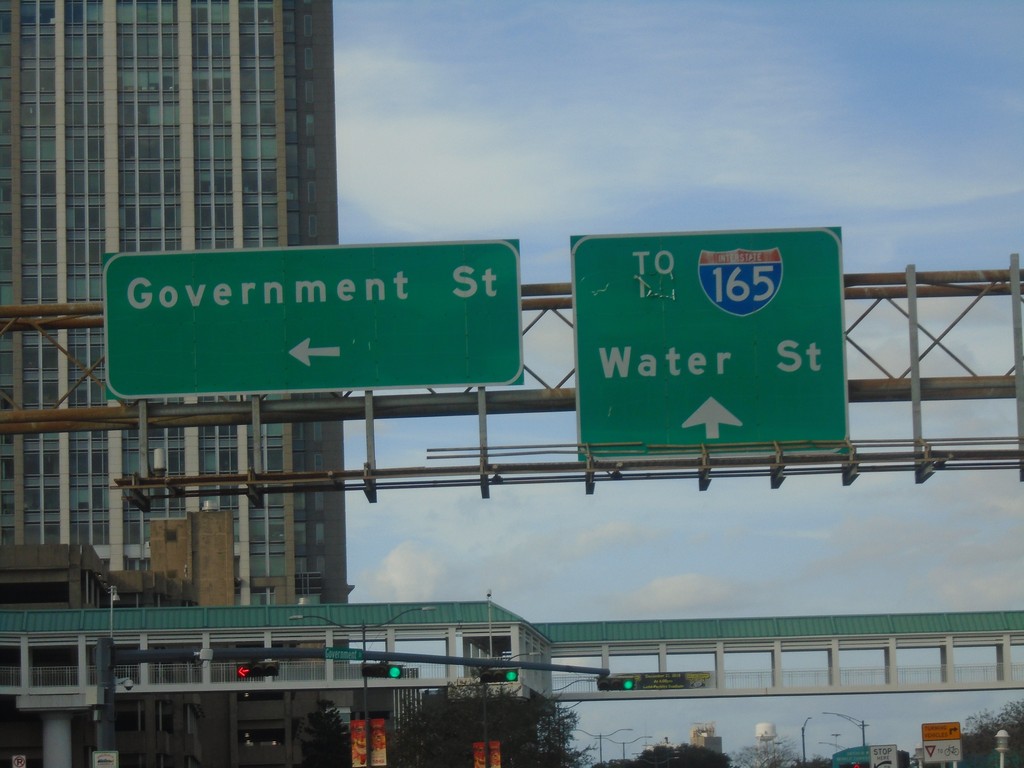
[{"x": 127, "y": 683}]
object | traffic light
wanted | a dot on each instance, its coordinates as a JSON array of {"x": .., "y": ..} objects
[
  {"x": 383, "y": 669},
  {"x": 616, "y": 683},
  {"x": 499, "y": 675},
  {"x": 265, "y": 668}
]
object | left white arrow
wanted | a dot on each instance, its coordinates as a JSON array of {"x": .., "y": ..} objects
[
  {"x": 712, "y": 413},
  {"x": 303, "y": 352}
]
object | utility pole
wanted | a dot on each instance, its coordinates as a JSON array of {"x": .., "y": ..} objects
[{"x": 108, "y": 686}]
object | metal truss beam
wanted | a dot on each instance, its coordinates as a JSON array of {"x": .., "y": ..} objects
[{"x": 491, "y": 465}]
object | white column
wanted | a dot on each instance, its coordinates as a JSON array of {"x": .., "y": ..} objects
[{"x": 56, "y": 739}]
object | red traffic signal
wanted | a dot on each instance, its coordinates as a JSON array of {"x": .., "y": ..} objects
[{"x": 265, "y": 668}]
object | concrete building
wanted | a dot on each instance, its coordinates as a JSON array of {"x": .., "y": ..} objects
[{"x": 159, "y": 126}]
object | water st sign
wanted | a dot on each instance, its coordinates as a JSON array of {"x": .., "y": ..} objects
[
  {"x": 313, "y": 319},
  {"x": 717, "y": 337}
]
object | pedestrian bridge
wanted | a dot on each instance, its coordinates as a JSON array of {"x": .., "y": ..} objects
[{"x": 48, "y": 656}]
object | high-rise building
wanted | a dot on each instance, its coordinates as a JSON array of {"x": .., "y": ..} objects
[{"x": 159, "y": 125}]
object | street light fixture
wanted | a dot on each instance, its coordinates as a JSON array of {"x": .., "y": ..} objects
[
  {"x": 859, "y": 723},
  {"x": 1002, "y": 745},
  {"x": 600, "y": 740},
  {"x": 631, "y": 741},
  {"x": 114, "y": 597},
  {"x": 366, "y": 696},
  {"x": 833, "y": 744}
]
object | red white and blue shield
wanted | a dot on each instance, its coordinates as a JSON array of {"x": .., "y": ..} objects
[{"x": 740, "y": 281}]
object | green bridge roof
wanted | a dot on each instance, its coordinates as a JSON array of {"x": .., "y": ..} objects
[
  {"x": 480, "y": 612},
  {"x": 782, "y": 627}
]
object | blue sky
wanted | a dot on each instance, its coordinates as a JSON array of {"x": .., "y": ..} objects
[{"x": 901, "y": 122}]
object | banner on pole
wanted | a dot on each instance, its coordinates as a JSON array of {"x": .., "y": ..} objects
[
  {"x": 378, "y": 742},
  {"x": 357, "y": 730}
]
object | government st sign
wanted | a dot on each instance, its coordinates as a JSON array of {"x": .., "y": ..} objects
[
  {"x": 312, "y": 319},
  {"x": 717, "y": 337}
]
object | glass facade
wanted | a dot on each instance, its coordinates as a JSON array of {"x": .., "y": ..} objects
[{"x": 157, "y": 125}]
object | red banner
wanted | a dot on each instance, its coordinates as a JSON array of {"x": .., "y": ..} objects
[
  {"x": 378, "y": 742},
  {"x": 357, "y": 729},
  {"x": 481, "y": 759}
]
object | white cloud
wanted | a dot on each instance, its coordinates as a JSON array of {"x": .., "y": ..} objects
[
  {"x": 407, "y": 573},
  {"x": 680, "y": 595},
  {"x": 622, "y": 110}
]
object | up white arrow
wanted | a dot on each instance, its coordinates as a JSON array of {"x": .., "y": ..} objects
[
  {"x": 712, "y": 413},
  {"x": 303, "y": 352}
]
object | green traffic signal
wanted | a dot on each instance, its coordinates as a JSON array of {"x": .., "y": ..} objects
[
  {"x": 616, "y": 683},
  {"x": 392, "y": 671},
  {"x": 499, "y": 675}
]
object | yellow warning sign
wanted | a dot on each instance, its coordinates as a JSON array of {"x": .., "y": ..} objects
[{"x": 940, "y": 731}]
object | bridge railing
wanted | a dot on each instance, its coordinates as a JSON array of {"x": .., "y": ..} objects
[
  {"x": 565, "y": 684},
  {"x": 934, "y": 676},
  {"x": 55, "y": 677},
  {"x": 10, "y": 677}
]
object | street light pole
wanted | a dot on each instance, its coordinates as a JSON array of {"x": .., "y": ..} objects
[
  {"x": 803, "y": 740},
  {"x": 114, "y": 597},
  {"x": 600, "y": 740},
  {"x": 624, "y": 743},
  {"x": 1002, "y": 746},
  {"x": 859, "y": 723},
  {"x": 366, "y": 694}
]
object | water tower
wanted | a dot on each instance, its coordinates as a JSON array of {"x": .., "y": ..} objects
[{"x": 765, "y": 734}]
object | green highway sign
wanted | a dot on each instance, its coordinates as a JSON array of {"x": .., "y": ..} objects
[
  {"x": 717, "y": 337},
  {"x": 335, "y": 653},
  {"x": 312, "y": 319}
]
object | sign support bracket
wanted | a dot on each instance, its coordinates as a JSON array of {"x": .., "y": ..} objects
[
  {"x": 481, "y": 408},
  {"x": 778, "y": 470},
  {"x": 256, "y": 466},
  {"x": 922, "y": 469},
  {"x": 1018, "y": 347},
  {"x": 851, "y": 470},
  {"x": 369, "y": 483},
  {"x": 135, "y": 496},
  {"x": 704, "y": 473}
]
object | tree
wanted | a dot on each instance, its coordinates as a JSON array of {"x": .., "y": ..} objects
[
  {"x": 979, "y": 735},
  {"x": 777, "y": 754},
  {"x": 324, "y": 738},
  {"x": 677, "y": 756},
  {"x": 440, "y": 731}
]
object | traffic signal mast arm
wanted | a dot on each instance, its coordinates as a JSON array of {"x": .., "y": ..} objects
[{"x": 137, "y": 656}]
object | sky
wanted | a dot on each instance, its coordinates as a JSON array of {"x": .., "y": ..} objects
[{"x": 900, "y": 122}]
